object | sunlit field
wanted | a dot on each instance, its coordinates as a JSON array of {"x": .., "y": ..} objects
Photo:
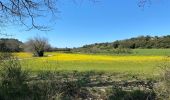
[{"x": 132, "y": 64}]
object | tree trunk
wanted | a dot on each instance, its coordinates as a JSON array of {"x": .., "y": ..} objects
[{"x": 41, "y": 53}]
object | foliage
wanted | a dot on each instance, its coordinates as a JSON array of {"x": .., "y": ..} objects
[
  {"x": 10, "y": 45},
  {"x": 122, "y": 51},
  {"x": 119, "y": 94},
  {"x": 162, "y": 88},
  {"x": 13, "y": 80},
  {"x": 144, "y": 42},
  {"x": 5, "y": 56}
]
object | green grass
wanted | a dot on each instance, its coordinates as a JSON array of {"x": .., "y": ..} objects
[
  {"x": 149, "y": 52},
  {"x": 146, "y": 68},
  {"x": 146, "y": 52}
]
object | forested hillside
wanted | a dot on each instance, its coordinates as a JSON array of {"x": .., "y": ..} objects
[
  {"x": 137, "y": 42},
  {"x": 124, "y": 46},
  {"x": 10, "y": 45},
  {"x": 140, "y": 42}
]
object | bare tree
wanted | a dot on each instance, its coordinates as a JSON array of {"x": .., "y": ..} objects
[
  {"x": 143, "y": 3},
  {"x": 37, "y": 45},
  {"x": 25, "y": 12}
]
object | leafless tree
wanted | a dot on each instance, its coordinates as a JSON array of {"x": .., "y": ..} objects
[
  {"x": 143, "y": 3},
  {"x": 37, "y": 45},
  {"x": 25, "y": 12}
]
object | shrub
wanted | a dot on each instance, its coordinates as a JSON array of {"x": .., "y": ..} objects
[
  {"x": 5, "y": 56},
  {"x": 162, "y": 88},
  {"x": 13, "y": 80},
  {"x": 120, "y": 94},
  {"x": 131, "y": 95},
  {"x": 122, "y": 51}
]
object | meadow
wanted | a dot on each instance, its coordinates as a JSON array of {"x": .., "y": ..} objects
[
  {"x": 77, "y": 76},
  {"x": 142, "y": 61}
]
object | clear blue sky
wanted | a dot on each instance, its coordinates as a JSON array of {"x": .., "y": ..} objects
[{"x": 105, "y": 21}]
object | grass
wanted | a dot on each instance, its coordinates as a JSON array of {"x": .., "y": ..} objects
[
  {"x": 144, "y": 61},
  {"x": 144, "y": 52},
  {"x": 130, "y": 76},
  {"x": 124, "y": 66},
  {"x": 149, "y": 52}
]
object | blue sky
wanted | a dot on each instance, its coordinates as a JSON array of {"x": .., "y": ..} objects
[{"x": 105, "y": 21}]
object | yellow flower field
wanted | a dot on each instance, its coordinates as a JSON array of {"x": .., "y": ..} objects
[
  {"x": 83, "y": 57},
  {"x": 86, "y": 62},
  {"x": 23, "y": 55}
]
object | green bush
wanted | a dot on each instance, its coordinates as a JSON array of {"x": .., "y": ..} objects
[
  {"x": 13, "y": 80},
  {"x": 122, "y": 51}
]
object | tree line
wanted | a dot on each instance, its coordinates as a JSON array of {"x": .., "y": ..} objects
[
  {"x": 41, "y": 44},
  {"x": 140, "y": 42},
  {"x": 10, "y": 45},
  {"x": 37, "y": 45}
]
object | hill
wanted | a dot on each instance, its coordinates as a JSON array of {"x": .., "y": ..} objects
[
  {"x": 10, "y": 45},
  {"x": 140, "y": 42}
]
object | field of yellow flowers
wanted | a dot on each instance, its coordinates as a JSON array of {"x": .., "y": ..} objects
[
  {"x": 87, "y": 57},
  {"x": 136, "y": 64}
]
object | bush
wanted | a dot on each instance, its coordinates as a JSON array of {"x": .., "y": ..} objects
[
  {"x": 5, "y": 56},
  {"x": 162, "y": 88},
  {"x": 119, "y": 93},
  {"x": 13, "y": 80},
  {"x": 122, "y": 51}
]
